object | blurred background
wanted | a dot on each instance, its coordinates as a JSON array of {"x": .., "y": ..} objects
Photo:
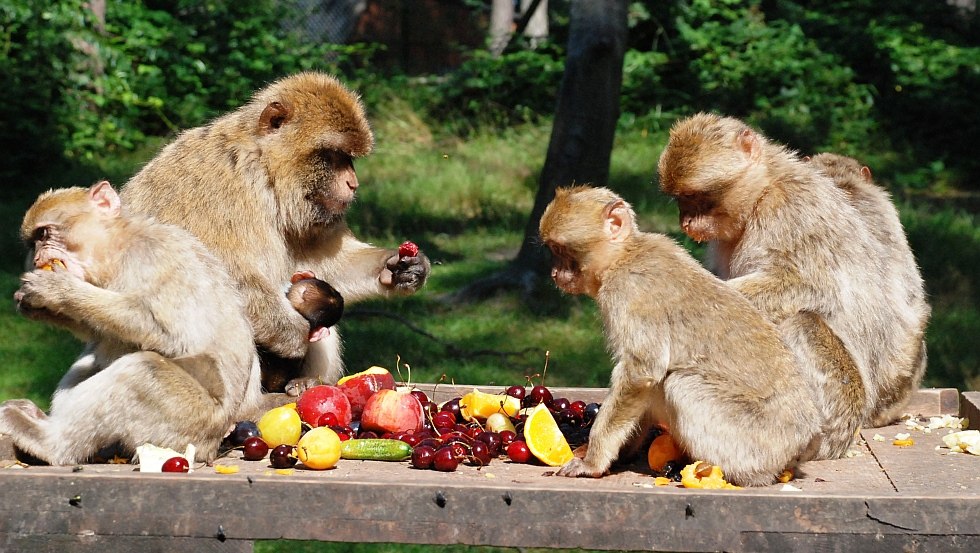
[{"x": 463, "y": 96}]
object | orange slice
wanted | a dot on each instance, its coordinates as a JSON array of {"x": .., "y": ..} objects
[
  {"x": 480, "y": 405},
  {"x": 544, "y": 439}
]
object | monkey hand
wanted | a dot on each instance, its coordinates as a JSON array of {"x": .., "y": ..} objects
[
  {"x": 44, "y": 290},
  {"x": 405, "y": 273},
  {"x": 297, "y": 386},
  {"x": 579, "y": 468}
]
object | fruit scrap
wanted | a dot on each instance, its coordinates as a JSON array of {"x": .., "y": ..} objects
[
  {"x": 226, "y": 469},
  {"x": 662, "y": 481},
  {"x": 49, "y": 266},
  {"x": 408, "y": 249},
  {"x": 151, "y": 458},
  {"x": 903, "y": 440},
  {"x": 786, "y": 476},
  {"x": 964, "y": 441},
  {"x": 706, "y": 476}
]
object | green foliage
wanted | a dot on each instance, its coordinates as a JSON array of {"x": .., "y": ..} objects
[
  {"x": 156, "y": 68},
  {"x": 513, "y": 88}
]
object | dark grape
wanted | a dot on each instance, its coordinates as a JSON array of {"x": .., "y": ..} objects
[
  {"x": 176, "y": 464},
  {"x": 282, "y": 457},
  {"x": 591, "y": 410},
  {"x": 254, "y": 449},
  {"x": 243, "y": 431},
  {"x": 672, "y": 470}
]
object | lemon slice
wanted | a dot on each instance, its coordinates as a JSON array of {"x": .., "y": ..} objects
[{"x": 544, "y": 439}]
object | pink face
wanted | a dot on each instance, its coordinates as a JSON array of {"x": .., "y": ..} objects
[{"x": 565, "y": 271}]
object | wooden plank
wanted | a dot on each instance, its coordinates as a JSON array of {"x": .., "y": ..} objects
[
  {"x": 970, "y": 408},
  {"x": 885, "y": 499},
  {"x": 10, "y": 543},
  {"x": 516, "y": 508},
  {"x": 926, "y": 467}
]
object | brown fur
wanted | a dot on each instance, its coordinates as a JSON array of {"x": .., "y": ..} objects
[
  {"x": 689, "y": 352},
  {"x": 169, "y": 358},
  {"x": 795, "y": 246},
  {"x": 266, "y": 188}
]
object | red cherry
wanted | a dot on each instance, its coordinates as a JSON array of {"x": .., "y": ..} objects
[
  {"x": 518, "y": 452},
  {"x": 176, "y": 464},
  {"x": 445, "y": 460},
  {"x": 420, "y": 395},
  {"x": 254, "y": 449},
  {"x": 422, "y": 457},
  {"x": 516, "y": 391},
  {"x": 282, "y": 457},
  {"x": 507, "y": 437},
  {"x": 328, "y": 419},
  {"x": 408, "y": 249}
]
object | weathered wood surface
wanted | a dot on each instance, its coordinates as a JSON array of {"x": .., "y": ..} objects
[{"x": 885, "y": 499}]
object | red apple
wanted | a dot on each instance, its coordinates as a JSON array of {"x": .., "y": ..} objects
[
  {"x": 361, "y": 386},
  {"x": 314, "y": 402},
  {"x": 392, "y": 411}
]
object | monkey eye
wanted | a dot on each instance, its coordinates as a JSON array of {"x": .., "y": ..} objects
[{"x": 41, "y": 234}]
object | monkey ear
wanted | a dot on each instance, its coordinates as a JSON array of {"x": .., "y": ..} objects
[
  {"x": 617, "y": 220},
  {"x": 273, "y": 117},
  {"x": 104, "y": 197},
  {"x": 866, "y": 172},
  {"x": 748, "y": 142}
]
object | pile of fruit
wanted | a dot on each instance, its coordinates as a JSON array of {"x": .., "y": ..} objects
[{"x": 365, "y": 416}]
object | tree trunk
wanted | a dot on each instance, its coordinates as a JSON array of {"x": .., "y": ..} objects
[
  {"x": 501, "y": 25},
  {"x": 585, "y": 119},
  {"x": 536, "y": 31},
  {"x": 582, "y": 135}
]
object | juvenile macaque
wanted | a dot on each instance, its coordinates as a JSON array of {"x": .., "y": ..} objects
[
  {"x": 792, "y": 243},
  {"x": 169, "y": 358},
  {"x": 900, "y": 272},
  {"x": 266, "y": 188},
  {"x": 690, "y": 353}
]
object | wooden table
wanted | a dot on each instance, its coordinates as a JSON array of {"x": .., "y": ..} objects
[{"x": 886, "y": 499}]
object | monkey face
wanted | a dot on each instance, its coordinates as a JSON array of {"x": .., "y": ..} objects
[
  {"x": 703, "y": 218},
  {"x": 332, "y": 184},
  {"x": 566, "y": 270}
]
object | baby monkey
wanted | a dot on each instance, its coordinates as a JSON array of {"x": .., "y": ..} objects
[
  {"x": 169, "y": 358},
  {"x": 689, "y": 352}
]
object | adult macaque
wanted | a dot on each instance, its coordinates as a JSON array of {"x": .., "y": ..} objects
[
  {"x": 792, "y": 243},
  {"x": 900, "y": 273},
  {"x": 690, "y": 353},
  {"x": 169, "y": 358},
  {"x": 266, "y": 188}
]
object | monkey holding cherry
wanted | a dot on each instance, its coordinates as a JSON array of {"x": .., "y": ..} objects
[
  {"x": 809, "y": 253},
  {"x": 266, "y": 188}
]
